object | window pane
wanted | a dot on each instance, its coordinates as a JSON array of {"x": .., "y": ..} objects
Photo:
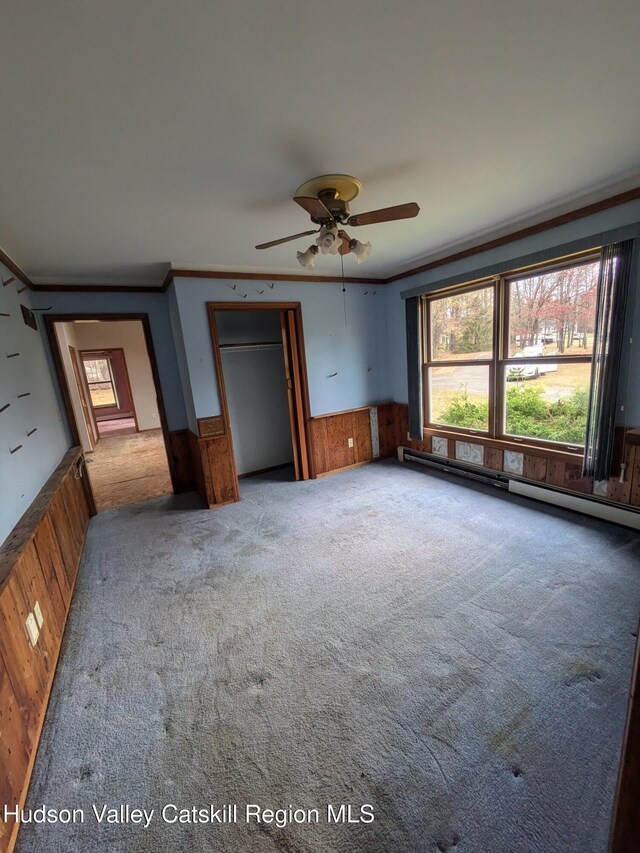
[
  {"x": 462, "y": 325},
  {"x": 555, "y": 311},
  {"x": 552, "y": 406},
  {"x": 97, "y": 370},
  {"x": 460, "y": 396},
  {"x": 102, "y": 394}
]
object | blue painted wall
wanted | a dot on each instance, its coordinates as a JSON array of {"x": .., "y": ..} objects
[
  {"x": 343, "y": 336},
  {"x": 395, "y": 311},
  {"x": 23, "y": 473}
]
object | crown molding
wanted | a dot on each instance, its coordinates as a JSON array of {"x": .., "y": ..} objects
[
  {"x": 98, "y": 288},
  {"x": 172, "y": 273},
  {"x": 545, "y": 225},
  {"x": 259, "y": 276},
  {"x": 15, "y": 269}
]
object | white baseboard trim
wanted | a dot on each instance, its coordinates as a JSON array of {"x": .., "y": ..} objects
[{"x": 618, "y": 515}]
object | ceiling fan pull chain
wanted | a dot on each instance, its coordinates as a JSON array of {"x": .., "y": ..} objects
[{"x": 344, "y": 289}]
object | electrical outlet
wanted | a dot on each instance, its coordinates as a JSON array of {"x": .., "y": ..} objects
[
  {"x": 350, "y": 442},
  {"x": 37, "y": 612},
  {"x": 32, "y": 629}
]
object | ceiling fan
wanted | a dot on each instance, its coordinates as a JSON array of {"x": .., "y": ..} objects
[{"x": 326, "y": 200}]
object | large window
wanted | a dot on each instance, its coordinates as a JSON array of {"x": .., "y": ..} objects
[{"x": 511, "y": 357}]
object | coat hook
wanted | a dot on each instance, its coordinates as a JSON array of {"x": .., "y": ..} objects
[
  {"x": 22, "y": 289},
  {"x": 260, "y": 292},
  {"x": 232, "y": 286},
  {"x": 26, "y": 394},
  {"x": 366, "y": 293},
  {"x": 12, "y": 354},
  {"x": 243, "y": 295},
  {"x": 15, "y": 449},
  {"x": 8, "y": 281},
  {"x": 272, "y": 285},
  {"x": 331, "y": 375},
  {"x": 31, "y": 431},
  {"x": 6, "y": 406},
  {"x": 4, "y": 314}
]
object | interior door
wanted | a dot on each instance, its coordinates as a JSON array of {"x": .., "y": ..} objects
[{"x": 83, "y": 393}]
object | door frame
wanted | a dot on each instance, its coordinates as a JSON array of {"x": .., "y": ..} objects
[
  {"x": 84, "y": 394},
  {"x": 51, "y": 319},
  {"x": 295, "y": 358},
  {"x": 99, "y": 352}
]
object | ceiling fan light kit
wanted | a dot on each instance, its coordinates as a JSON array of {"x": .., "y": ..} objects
[
  {"x": 308, "y": 259},
  {"x": 326, "y": 200},
  {"x": 360, "y": 250},
  {"x": 328, "y": 242}
]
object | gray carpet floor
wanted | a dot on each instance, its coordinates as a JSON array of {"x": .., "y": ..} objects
[{"x": 455, "y": 656}]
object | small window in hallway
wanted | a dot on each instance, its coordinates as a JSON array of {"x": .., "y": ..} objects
[{"x": 100, "y": 380}]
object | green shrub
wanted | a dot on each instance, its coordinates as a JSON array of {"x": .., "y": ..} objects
[{"x": 528, "y": 414}]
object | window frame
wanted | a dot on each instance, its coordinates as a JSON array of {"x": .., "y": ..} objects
[
  {"x": 499, "y": 363},
  {"x": 94, "y": 357}
]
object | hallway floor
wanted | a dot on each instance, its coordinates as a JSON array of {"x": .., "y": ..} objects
[
  {"x": 116, "y": 426},
  {"x": 125, "y": 469}
]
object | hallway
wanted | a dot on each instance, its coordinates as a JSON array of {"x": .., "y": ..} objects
[{"x": 126, "y": 469}]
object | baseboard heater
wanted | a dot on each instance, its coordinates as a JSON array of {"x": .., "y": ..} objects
[
  {"x": 493, "y": 478},
  {"x": 589, "y": 506}
]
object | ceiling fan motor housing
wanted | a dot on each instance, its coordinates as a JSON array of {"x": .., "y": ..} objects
[{"x": 337, "y": 207}]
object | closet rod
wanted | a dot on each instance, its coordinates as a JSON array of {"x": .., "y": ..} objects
[{"x": 246, "y": 347}]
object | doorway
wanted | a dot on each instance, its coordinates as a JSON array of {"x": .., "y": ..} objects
[
  {"x": 110, "y": 387},
  {"x": 262, "y": 380}
]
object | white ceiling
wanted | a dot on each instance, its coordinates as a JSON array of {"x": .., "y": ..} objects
[{"x": 136, "y": 134}]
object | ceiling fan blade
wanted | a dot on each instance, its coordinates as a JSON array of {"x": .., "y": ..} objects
[
  {"x": 285, "y": 239},
  {"x": 314, "y": 207},
  {"x": 385, "y": 214}
]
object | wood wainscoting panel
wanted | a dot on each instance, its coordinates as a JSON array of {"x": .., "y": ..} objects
[
  {"x": 214, "y": 470},
  {"x": 14, "y": 752},
  {"x": 361, "y": 431},
  {"x": 183, "y": 474},
  {"x": 493, "y": 458},
  {"x": 318, "y": 432},
  {"x": 534, "y": 468},
  {"x": 50, "y": 557},
  {"x": 332, "y": 432},
  {"x": 38, "y": 567}
]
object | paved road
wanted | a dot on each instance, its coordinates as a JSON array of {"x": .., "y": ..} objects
[{"x": 475, "y": 379}]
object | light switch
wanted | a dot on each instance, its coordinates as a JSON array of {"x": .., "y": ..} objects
[
  {"x": 32, "y": 629},
  {"x": 37, "y": 612},
  {"x": 350, "y": 442}
]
